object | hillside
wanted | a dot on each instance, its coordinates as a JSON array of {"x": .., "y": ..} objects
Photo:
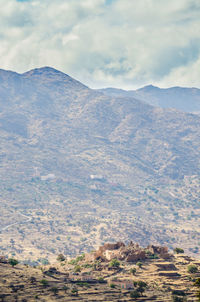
[
  {"x": 180, "y": 98},
  {"x": 79, "y": 168},
  {"x": 157, "y": 276}
]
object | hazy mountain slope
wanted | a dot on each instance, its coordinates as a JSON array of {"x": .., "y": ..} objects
[
  {"x": 55, "y": 133},
  {"x": 183, "y": 99}
]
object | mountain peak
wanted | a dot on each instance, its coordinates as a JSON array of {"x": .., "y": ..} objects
[
  {"x": 46, "y": 70},
  {"x": 48, "y": 74},
  {"x": 148, "y": 88}
]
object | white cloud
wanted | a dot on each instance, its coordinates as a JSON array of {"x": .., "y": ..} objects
[{"x": 104, "y": 43}]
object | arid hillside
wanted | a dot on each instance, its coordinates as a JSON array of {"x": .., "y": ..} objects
[
  {"x": 79, "y": 168},
  {"x": 115, "y": 272}
]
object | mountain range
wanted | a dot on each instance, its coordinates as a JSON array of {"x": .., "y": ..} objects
[
  {"x": 80, "y": 164},
  {"x": 180, "y": 98}
]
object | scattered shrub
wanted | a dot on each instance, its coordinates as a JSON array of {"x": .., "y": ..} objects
[
  {"x": 197, "y": 282},
  {"x": 192, "y": 269},
  {"x": 61, "y": 257},
  {"x": 77, "y": 269},
  {"x": 101, "y": 280},
  {"x": 139, "y": 264},
  {"x": 54, "y": 290},
  {"x": 133, "y": 271},
  {"x": 178, "y": 299},
  {"x": 74, "y": 291},
  {"x": 114, "y": 263},
  {"x": 134, "y": 294},
  {"x": 13, "y": 261},
  {"x": 178, "y": 250},
  {"x": 44, "y": 282},
  {"x": 142, "y": 284}
]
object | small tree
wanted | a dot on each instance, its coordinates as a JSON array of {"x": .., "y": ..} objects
[
  {"x": 61, "y": 257},
  {"x": 139, "y": 264},
  {"x": 13, "y": 261},
  {"x": 178, "y": 250}
]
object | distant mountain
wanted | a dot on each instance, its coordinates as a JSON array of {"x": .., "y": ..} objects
[
  {"x": 183, "y": 99},
  {"x": 76, "y": 162}
]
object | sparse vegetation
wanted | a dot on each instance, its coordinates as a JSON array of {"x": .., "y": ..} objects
[
  {"x": 13, "y": 262},
  {"x": 61, "y": 257},
  {"x": 114, "y": 263},
  {"x": 133, "y": 270},
  {"x": 44, "y": 282},
  {"x": 139, "y": 264},
  {"x": 192, "y": 269},
  {"x": 178, "y": 250}
]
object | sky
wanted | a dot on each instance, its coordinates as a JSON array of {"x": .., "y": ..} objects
[{"x": 105, "y": 43}]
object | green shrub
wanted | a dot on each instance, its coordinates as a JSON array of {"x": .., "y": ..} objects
[
  {"x": 178, "y": 250},
  {"x": 73, "y": 262},
  {"x": 192, "y": 269},
  {"x": 13, "y": 261},
  {"x": 197, "y": 282},
  {"x": 139, "y": 264},
  {"x": 54, "y": 290},
  {"x": 65, "y": 288},
  {"x": 61, "y": 257},
  {"x": 74, "y": 291},
  {"x": 87, "y": 265},
  {"x": 133, "y": 271},
  {"x": 114, "y": 263},
  {"x": 77, "y": 269},
  {"x": 178, "y": 299},
  {"x": 112, "y": 285},
  {"x": 44, "y": 282},
  {"x": 76, "y": 261},
  {"x": 101, "y": 280},
  {"x": 134, "y": 294},
  {"x": 142, "y": 284}
]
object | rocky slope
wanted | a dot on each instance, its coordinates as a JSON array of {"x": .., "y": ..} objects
[{"x": 77, "y": 164}]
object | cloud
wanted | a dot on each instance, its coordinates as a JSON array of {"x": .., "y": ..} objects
[{"x": 119, "y": 43}]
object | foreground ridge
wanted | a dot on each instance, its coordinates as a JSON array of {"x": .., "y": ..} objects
[{"x": 115, "y": 272}]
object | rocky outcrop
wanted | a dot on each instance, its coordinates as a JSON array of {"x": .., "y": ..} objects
[
  {"x": 130, "y": 253},
  {"x": 162, "y": 251}
]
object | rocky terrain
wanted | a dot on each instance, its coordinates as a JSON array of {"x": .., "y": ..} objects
[
  {"x": 115, "y": 272},
  {"x": 79, "y": 168}
]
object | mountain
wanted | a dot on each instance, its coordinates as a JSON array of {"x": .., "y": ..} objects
[
  {"x": 78, "y": 164},
  {"x": 183, "y": 99}
]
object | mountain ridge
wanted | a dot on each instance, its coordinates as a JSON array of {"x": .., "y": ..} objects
[
  {"x": 181, "y": 98},
  {"x": 56, "y": 139}
]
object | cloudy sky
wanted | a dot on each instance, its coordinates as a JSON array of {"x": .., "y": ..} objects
[{"x": 118, "y": 43}]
